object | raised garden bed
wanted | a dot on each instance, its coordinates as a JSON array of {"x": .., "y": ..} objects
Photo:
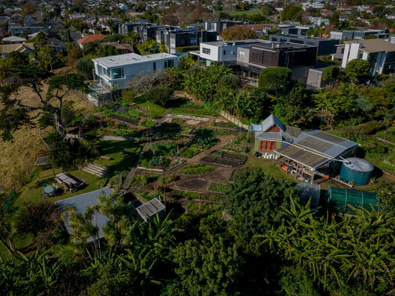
[
  {"x": 134, "y": 121},
  {"x": 189, "y": 152},
  {"x": 225, "y": 159},
  {"x": 148, "y": 160},
  {"x": 197, "y": 169}
]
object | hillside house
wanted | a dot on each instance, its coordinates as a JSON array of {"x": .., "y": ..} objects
[
  {"x": 90, "y": 38},
  {"x": 115, "y": 72},
  {"x": 379, "y": 53}
]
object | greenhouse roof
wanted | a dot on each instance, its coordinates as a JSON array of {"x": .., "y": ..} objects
[{"x": 339, "y": 199}]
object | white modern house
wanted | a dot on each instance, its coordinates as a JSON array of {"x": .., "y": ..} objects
[
  {"x": 380, "y": 54},
  {"x": 221, "y": 51},
  {"x": 115, "y": 72}
]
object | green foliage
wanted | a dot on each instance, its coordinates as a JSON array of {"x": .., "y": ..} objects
[
  {"x": 361, "y": 131},
  {"x": 165, "y": 149},
  {"x": 357, "y": 69},
  {"x": 85, "y": 67},
  {"x": 203, "y": 82},
  {"x": 238, "y": 33},
  {"x": 206, "y": 269},
  {"x": 229, "y": 81},
  {"x": 274, "y": 78},
  {"x": 218, "y": 187},
  {"x": 143, "y": 179},
  {"x": 189, "y": 152},
  {"x": 167, "y": 179},
  {"x": 293, "y": 107},
  {"x": 331, "y": 73},
  {"x": 159, "y": 95},
  {"x": 304, "y": 239},
  {"x": 292, "y": 13},
  {"x": 148, "y": 123},
  {"x": 252, "y": 202},
  {"x": 197, "y": 169}
]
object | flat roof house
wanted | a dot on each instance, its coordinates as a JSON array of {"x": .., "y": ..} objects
[
  {"x": 81, "y": 203},
  {"x": 115, "y": 72},
  {"x": 379, "y": 53}
]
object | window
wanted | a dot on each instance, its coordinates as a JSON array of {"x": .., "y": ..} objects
[
  {"x": 267, "y": 146},
  {"x": 117, "y": 73},
  {"x": 224, "y": 52},
  {"x": 342, "y": 51},
  {"x": 206, "y": 50},
  {"x": 154, "y": 66},
  {"x": 193, "y": 41},
  {"x": 169, "y": 64}
]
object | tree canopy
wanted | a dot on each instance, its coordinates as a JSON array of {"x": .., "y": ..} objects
[
  {"x": 274, "y": 78},
  {"x": 238, "y": 33},
  {"x": 14, "y": 113}
]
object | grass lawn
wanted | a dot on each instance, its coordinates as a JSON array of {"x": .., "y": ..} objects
[
  {"x": 241, "y": 12},
  {"x": 118, "y": 162},
  {"x": 32, "y": 192},
  {"x": 269, "y": 168},
  {"x": 154, "y": 111},
  {"x": 192, "y": 111}
]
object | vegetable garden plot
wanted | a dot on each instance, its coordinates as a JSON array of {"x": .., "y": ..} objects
[{"x": 225, "y": 159}]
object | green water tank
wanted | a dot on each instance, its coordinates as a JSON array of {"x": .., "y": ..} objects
[{"x": 357, "y": 170}]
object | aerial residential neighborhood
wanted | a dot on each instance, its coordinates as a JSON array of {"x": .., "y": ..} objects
[{"x": 197, "y": 147}]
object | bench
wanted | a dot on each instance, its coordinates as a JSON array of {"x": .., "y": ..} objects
[{"x": 105, "y": 157}]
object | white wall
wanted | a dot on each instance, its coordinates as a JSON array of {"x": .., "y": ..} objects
[
  {"x": 213, "y": 55},
  {"x": 351, "y": 52},
  {"x": 131, "y": 70}
]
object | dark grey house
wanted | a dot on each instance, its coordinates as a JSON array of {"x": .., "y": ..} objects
[
  {"x": 175, "y": 38},
  {"x": 324, "y": 46}
]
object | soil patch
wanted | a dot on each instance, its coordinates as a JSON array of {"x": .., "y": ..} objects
[
  {"x": 192, "y": 122},
  {"x": 193, "y": 185}
]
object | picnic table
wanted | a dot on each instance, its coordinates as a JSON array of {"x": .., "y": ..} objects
[
  {"x": 69, "y": 181},
  {"x": 48, "y": 189}
]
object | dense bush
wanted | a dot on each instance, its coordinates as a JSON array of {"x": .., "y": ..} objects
[
  {"x": 361, "y": 131},
  {"x": 158, "y": 95},
  {"x": 229, "y": 81},
  {"x": 167, "y": 179},
  {"x": 274, "y": 78}
]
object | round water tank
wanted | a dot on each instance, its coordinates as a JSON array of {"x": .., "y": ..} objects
[{"x": 357, "y": 170}]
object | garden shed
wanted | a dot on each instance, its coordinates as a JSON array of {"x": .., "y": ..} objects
[{"x": 339, "y": 199}]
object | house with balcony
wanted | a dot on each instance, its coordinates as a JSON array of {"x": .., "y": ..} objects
[
  {"x": 379, "y": 53},
  {"x": 115, "y": 72},
  {"x": 178, "y": 38}
]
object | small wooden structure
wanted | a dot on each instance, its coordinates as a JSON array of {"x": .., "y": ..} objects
[
  {"x": 150, "y": 209},
  {"x": 70, "y": 182}
]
